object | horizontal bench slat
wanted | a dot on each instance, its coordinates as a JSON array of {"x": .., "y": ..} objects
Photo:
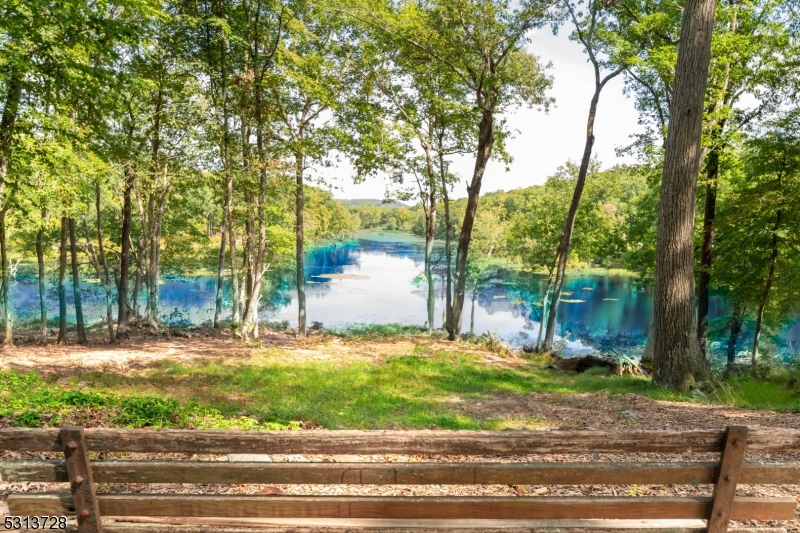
[
  {"x": 398, "y": 442},
  {"x": 370, "y": 442},
  {"x": 684, "y": 473},
  {"x": 210, "y": 525},
  {"x": 403, "y": 507}
]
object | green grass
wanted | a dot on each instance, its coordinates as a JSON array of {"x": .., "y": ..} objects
[
  {"x": 409, "y": 391},
  {"x": 364, "y": 331}
]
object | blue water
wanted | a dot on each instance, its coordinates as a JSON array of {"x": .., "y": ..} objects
[{"x": 377, "y": 279}]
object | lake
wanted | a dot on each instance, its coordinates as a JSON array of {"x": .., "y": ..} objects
[{"x": 376, "y": 278}]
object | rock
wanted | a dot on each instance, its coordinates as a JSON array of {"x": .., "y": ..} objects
[{"x": 528, "y": 348}]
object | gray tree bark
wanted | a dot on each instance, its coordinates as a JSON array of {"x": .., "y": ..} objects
[
  {"x": 484, "y": 151},
  {"x": 76, "y": 283},
  {"x": 448, "y": 243},
  {"x": 299, "y": 257},
  {"x": 709, "y": 214},
  {"x": 9, "y": 339},
  {"x": 677, "y": 361},
  {"x": 767, "y": 288},
  {"x": 42, "y": 286},
  {"x": 62, "y": 288},
  {"x": 220, "y": 277},
  {"x": 125, "y": 255},
  {"x": 737, "y": 317}
]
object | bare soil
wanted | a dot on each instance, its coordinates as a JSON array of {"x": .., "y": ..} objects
[{"x": 145, "y": 348}]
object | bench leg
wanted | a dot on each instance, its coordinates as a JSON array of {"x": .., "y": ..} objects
[
  {"x": 730, "y": 464},
  {"x": 81, "y": 482}
]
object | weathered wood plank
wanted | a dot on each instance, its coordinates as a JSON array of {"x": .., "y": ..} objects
[
  {"x": 294, "y": 525},
  {"x": 19, "y": 470},
  {"x": 410, "y": 507},
  {"x": 81, "y": 482},
  {"x": 228, "y": 525},
  {"x": 400, "y": 442},
  {"x": 405, "y": 442},
  {"x": 40, "y": 503},
  {"x": 727, "y": 477},
  {"x": 30, "y": 440},
  {"x": 682, "y": 473}
]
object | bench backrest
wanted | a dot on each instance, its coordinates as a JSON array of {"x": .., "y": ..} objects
[{"x": 88, "y": 507}]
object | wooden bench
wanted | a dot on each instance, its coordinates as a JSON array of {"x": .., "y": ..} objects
[{"x": 240, "y": 513}]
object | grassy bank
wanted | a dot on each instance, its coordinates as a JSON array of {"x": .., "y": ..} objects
[{"x": 427, "y": 387}]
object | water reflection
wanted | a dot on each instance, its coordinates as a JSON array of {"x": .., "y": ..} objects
[{"x": 377, "y": 279}]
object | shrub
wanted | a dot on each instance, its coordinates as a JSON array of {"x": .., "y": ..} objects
[{"x": 145, "y": 411}]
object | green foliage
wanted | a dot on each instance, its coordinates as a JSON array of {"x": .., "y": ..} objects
[
  {"x": 326, "y": 219},
  {"x": 375, "y": 331},
  {"x": 148, "y": 411},
  {"x": 389, "y": 218}
]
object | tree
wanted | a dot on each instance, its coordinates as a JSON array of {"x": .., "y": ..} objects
[
  {"x": 759, "y": 224},
  {"x": 483, "y": 45},
  {"x": 586, "y": 27},
  {"x": 312, "y": 77},
  {"x": 430, "y": 123},
  {"x": 676, "y": 354},
  {"x": 750, "y": 51},
  {"x": 101, "y": 264}
]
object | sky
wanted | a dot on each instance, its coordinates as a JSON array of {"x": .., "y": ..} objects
[{"x": 542, "y": 142}]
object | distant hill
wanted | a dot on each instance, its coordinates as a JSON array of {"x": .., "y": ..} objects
[{"x": 371, "y": 201}]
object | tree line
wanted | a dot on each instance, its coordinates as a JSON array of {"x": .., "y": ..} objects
[{"x": 138, "y": 130}]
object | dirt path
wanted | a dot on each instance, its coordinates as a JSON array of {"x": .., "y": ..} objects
[{"x": 145, "y": 349}]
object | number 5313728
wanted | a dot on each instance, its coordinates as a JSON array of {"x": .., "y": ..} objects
[{"x": 35, "y": 522}]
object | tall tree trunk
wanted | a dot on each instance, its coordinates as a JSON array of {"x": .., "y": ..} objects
[
  {"x": 101, "y": 265},
  {"x": 236, "y": 318},
  {"x": 150, "y": 276},
  {"x": 137, "y": 282},
  {"x": 155, "y": 218},
  {"x": 7, "y": 123},
  {"x": 544, "y": 306},
  {"x": 448, "y": 249},
  {"x": 299, "y": 257},
  {"x": 572, "y": 214},
  {"x": 485, "y": 144},
  {"x": 76, "y": 283},
  {"x": 125, "y": 255},
  {"x": 258, "y": 243},
  {"x": 431, "y": 303},
  {"x": 62, "y": 287},
  {"x": 42, "y": 285},
  {"x": 9, "y": 339},
  {"x": 225, "y": 153},
  {"x": 704, "y": 278},
  {"x": 737, "y": 317},
  {"x": 155, "y": 201},
  {"x": 220, "y": 277},
  {"x": 142, "y": 260},
  {"x": 677, "y": 361},
  {"x": 247, "y": 267},
  {"x": 430, "y": 228},
  {"x": 767, "y": 288},
  {"x": 472, "y": 315}
]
